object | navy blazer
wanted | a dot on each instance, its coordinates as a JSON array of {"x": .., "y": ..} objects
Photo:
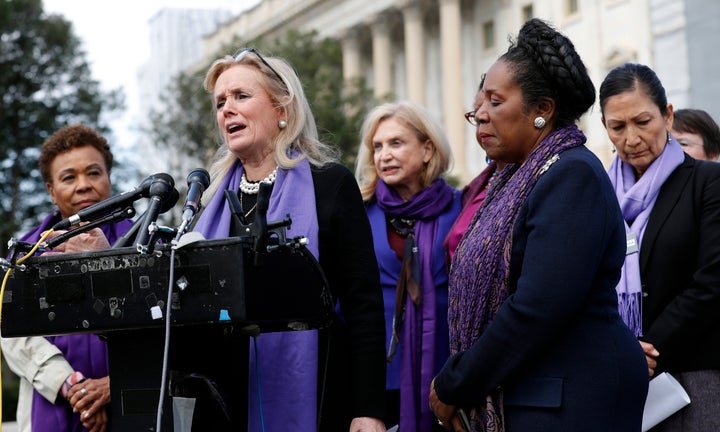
[
  {"x": 557, "y": 345},
  {"x": 680, "y": 269}
]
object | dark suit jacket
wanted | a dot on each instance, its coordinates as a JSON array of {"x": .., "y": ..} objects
[
  {"x": 558, "y": 346},
  {"x": 680, "y": 269}
]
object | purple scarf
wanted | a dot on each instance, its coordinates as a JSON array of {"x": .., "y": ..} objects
[
  {"x": 288, "y": 361},
  {"x": 472, "y": 196},
  {"x": 419, "y": 327},
  {"x": 637, "y": 198},
  {"x": 84, "y": 352},
  {"x": 479, "y": 275}
]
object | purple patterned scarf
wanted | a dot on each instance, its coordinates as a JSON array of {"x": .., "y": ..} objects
[
  {"x": 417, "y": 367},
  {"x": 637, "y": 198},
  {"x": 479, "y": 276}
]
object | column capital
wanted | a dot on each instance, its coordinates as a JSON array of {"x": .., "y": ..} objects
[
  {"x": 350, "y": 36},
  {"x": 409, "y": 4},
  {"x": 379, "y": 22}
]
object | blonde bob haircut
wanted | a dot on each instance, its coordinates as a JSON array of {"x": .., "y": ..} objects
[
  {"x": 279, "y": 80},
  {"x": 416, "y": 118}
]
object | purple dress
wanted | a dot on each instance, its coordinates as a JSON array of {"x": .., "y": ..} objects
[{"x": 85, "y": 352}]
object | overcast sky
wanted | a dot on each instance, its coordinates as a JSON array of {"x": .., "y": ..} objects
[{"x": 116, "y": 37}]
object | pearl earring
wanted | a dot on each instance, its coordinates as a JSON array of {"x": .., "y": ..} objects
[
  {"x": 282, "y": 124},
  {"x": 539, "y": 122}
]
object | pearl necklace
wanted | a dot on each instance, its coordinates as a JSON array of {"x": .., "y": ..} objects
[{"x": 252, "y": 188}]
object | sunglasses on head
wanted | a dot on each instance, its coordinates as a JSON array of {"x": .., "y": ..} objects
[{"x": 245, "y": 51}]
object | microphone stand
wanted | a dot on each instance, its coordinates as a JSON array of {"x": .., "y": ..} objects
[
  {"x": 17, "y": 247},
  {"x": 148, "y": 229},
  {"x": 161, "y": 189},
  {"x": 259, "y": 230},
  {"x": 127, "y": 238},
  {"x": 126, "y": 213}
]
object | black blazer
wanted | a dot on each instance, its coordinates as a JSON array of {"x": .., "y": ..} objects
[{"x": 680, "y": 269}]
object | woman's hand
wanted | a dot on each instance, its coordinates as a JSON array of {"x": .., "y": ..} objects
[
  {"x": 97, "y": 422},
  {"x": 367, "y": 424},
  {"x": 93, "y": 239},
  {"x": 650, "y": 354},
  {"x": 89, "y": 399},
  {"x": 447, "y": 414}
]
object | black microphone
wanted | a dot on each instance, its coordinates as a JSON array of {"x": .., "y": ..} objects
[
  {"x": 126, "y": 213},
  {"x": 170, "y": 201},
  {"x": 126, "y": 239},
  {"x": 160, "y": 190},
  {"x": 198, "y": 180},
  {"x": 113, "y": 203}
]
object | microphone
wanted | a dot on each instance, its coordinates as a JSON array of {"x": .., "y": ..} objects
[
  {"x": 260, "y": 225},
  {"x": 170, "y": 201},
  {"x": 113, "y": 203},
  {"x": 126, "y": 239},
  {"x": 198, "y": 180},
  {"x": 126, "y": 213},
  {"x": 161, "y": 189}
]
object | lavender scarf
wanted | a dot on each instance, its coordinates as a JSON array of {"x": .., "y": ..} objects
[
  {"x": 84, "y": 352},
  {"x": 292, "y": 193},
  {"x": 479, "y": 275},
  {"x": 637, "y": 198},
  {"x": 417, "y": 362},
  {"x": 288, "y": 361}
]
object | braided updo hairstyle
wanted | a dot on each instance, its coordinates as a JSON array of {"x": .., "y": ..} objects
[{"x": 545, "y": 65}]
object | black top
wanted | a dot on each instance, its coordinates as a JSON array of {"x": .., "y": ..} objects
[
  {"x": 680, "y": 269},
  {"x": 355, "y": 382}
]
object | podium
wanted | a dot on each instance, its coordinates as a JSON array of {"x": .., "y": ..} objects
[{"x": 223, "y": 293}]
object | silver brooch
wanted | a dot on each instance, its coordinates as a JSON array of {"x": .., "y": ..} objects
[{"x": 548, "y": 164}]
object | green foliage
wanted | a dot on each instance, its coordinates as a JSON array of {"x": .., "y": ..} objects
[
  {"x": 186, "y": 124},
  {"x": 45, "y": 83},
  {"x": 338, "y": 111}
]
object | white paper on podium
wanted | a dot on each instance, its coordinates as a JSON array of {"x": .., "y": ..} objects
[{"x": 665, "y": 397}]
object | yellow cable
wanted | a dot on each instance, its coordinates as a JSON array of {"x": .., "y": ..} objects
[{"x": 2, "y": 297}]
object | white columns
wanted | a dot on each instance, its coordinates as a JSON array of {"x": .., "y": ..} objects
[
  {"x": 382, "y": 57},
  {"x": 414, "y": 52},
  {"x": 352, "y": 61},
  {"x": 450, "y": 46}
]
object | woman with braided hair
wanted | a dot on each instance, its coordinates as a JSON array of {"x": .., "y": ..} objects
[{"x": 536, "y": 340}]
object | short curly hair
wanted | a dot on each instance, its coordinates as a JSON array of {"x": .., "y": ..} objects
[{"x": 68, "y": 138}]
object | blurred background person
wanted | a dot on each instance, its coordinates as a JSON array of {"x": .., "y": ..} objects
[
  {"x": 533, "y": 310},
  {"x": 269, "y": 134},
  {"x": 669, "y": 294},
  {"x": 474, "y": 192},
  {"x": 403, "y": 153},
  {"x": 64, "y": 383},
  {"x": 697, "y": 133}
]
